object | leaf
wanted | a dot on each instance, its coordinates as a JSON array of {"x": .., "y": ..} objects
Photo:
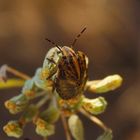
[
  {"x": 11, "y": 83},
  {"x": 76, "y": 127},
  {"x": 107, "y": 135}
]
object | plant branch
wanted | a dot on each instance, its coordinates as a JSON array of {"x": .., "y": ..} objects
[
  {"x": 65, "y": 125},
  {"x": 42, "y": 101},
  {"x": 17, "y": 73},
  {"x": 94, "y": 119}
]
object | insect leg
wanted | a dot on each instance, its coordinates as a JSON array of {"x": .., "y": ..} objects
[{"x": 51, "y": 60}]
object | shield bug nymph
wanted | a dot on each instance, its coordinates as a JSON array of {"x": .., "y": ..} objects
[{"x": 69, "y": 69}]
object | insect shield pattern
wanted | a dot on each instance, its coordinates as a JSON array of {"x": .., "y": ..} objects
[{"x": 68, "y": 69}]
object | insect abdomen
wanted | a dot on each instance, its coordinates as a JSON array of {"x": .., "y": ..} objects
[{"x": 66, "y": 90}]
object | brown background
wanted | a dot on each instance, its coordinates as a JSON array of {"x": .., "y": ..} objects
[{"x": 111, "y": 42}]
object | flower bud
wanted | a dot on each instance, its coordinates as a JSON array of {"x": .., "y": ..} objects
[
  {"x": 95, "y": 106},
  {"x": 40, "y": 80},
  {"x": 50, "y": 68},
  {"x": 16, "y": 104},
  {"x": 76, "y": 127},
  {"x": 13, "y": 129},
  {"x": 29, "y": 89},
  {"x": 107, "y": 84},
  {"x": 43, "y": 128}
]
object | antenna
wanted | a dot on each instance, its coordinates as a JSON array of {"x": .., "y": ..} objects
[
  {"x": 76, "y": 38},
  {"x": 54, "y": 44}
]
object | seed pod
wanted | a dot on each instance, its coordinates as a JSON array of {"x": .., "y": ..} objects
[
  {"x": 13, "y": 129},
  {"x": 95, "y": 106},
  {"x": 16, "y": 104},
  {"x": 41, "y": 82},
  {"x": 43, "y": 128},
  {"x": 76, "y": 127},
  {"x": 107, "y": 84}
]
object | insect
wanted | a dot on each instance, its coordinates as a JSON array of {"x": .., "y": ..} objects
[{"x": 68, "y": 69}]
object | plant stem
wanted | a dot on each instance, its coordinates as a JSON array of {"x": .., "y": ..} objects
[
  {"x": 65, "y": 125},
  {"x": 94, "y": 119},
  {"x": 42, "y": 101},
  {"x": 17, "y": 73},
  {"x": 45, "y": 138}
]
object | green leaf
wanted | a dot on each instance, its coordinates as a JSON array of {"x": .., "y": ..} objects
[
  {"x": 76, "y": 127},
  {"x": 107, "y": 135},
  {"x": 11, "y": 83}
]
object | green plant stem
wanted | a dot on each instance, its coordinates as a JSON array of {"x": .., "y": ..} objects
[
  {"x": 66, "y": 128},
  {"x": 94, "y": 119}
]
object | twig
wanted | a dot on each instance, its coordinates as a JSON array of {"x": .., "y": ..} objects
[
  {"x": 65, "y": 125},
  {"x": 95, "y": 120},
  {"x": 42, "y": 101},
  {"x": 17, "y": 73}
]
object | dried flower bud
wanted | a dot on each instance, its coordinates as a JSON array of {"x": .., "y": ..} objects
[
  {"x": 95, "y": 106},
  {"x": 40, "y": 80},
  {"x": 76, "y": 127},
  {"x": 16, "y": 104},
  {"x": 43, "y": 128},
  {"x": 13, "y": 129},
  {"x": 29, "y": 114},
  {"x": 107, "y": 84}
]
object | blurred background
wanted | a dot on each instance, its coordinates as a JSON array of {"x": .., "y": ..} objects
[{"x": 111, "y": 41}]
